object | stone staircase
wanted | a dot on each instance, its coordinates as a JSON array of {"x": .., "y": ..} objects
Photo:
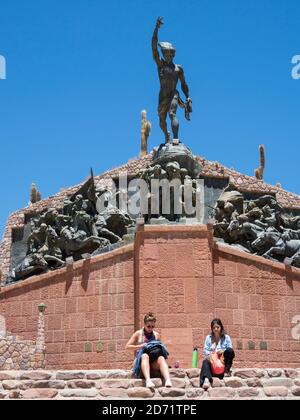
[{"x": 245, "y": 384}]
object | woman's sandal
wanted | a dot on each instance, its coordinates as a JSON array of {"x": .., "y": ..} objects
[
  {"x": 227, "y": 374},
  {"x": 150, "y": 384},
  {"x": 168, "y": 383}
]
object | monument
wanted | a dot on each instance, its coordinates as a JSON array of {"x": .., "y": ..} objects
[
  {"x": 98, "y": 269},
  {"x": 76, "y": 228},
  {"x": 256, "y": 224}
]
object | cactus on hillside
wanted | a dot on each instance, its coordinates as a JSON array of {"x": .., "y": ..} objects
[{"x": 259, "y": 173}]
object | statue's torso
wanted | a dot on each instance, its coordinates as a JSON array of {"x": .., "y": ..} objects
[{"x": 168, "y": 76}]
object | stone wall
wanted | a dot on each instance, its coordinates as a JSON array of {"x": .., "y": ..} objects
[
  {"x": 259, "y": 301},
  {"x": 187, "y": 279},
  {"x": 180, "y": 274},
  {"x": 89, "y": 315},
  {"x": 175, "y": 281},
  {"x": 16, "y": 353}
]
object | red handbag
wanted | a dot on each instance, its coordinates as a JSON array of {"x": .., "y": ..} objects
[{"x": 217, "y": 363}]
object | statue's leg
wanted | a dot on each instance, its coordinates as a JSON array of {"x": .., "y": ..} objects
[
  {"x": 296, "y": 260},
  {"x": 163, "y": 107},
  {"x": 269, "y": 254},
  {"x": 172, "y": 115},
  {"x": 51, "y": 258},
  {"x": 275, "y": 251},
  {"x": 105, "y": 233},
  {"x": 163, "y": 126}
]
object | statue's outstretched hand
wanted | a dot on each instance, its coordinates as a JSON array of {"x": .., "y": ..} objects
[
  {"x": 188, "y": 108},
  {"x": 159, "y": 22}
]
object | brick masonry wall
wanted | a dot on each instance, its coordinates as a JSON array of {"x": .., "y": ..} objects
[
  {"x": 258, "y": 300},
  {"x": 187, "y": 279},
  {"x": 176, "y": 283},
  {"x": 180, "y": 274},
  {"x": 89, "y": 315}
]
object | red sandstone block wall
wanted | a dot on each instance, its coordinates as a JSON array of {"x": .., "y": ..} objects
[
  {"x": 258, "y": 301},
  {"x": 187, "y": 280},
  {"x": 176, "y": 283},
  {"x": 89, "y": 309},
  {"x": 180, "y": 274}
]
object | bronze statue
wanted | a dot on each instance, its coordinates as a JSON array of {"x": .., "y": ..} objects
[{"x": 169, "y": 73}]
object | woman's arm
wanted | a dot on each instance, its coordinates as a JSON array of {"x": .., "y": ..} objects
[
  {"x": 228, "y": 342},
  {"x": 207, "y": 346},
  {"x": 131, "y": 345}
]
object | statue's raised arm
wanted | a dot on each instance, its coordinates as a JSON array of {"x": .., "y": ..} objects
[{"x": 155, "y": 52}]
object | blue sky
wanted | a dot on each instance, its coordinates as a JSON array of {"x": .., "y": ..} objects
[{"x": 80, "y": 71}]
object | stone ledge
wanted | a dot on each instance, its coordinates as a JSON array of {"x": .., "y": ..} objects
[
  {"x": 126, "y": 249},
  {"x": 227, "y": 249},
  {"x": 119, "y": 384},
  {"x": 162, "y": 229}
]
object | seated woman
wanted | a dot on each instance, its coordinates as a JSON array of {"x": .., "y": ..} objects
[
  {"x": 150, "y": 352},
  {"x": 220, "y": 343}
]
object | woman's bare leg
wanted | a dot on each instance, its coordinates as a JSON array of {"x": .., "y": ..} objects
[
  {"x": 164, "y": 370},
  {"x": 145, "y": 366}
]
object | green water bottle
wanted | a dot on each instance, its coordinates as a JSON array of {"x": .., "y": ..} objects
[{"x": 195, "y": 358}]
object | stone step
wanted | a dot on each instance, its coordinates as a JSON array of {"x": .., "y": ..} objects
[{"x": 117, "y": 384}]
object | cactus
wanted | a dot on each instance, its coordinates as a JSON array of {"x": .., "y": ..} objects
[
  {"x": 145, "y": 132},
  {"x": 35, "y": 195},
  {"x": 259, "y": 173}
]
